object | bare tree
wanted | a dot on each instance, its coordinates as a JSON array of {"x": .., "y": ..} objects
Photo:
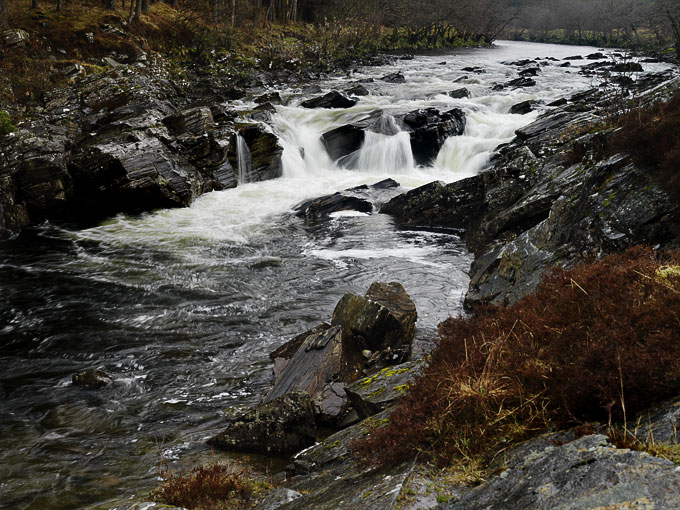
[
  {"x": 671, "y": 13},
  {"x": 4, "y": 24}
]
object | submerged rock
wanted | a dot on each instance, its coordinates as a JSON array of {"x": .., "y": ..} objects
[
  {"x": 92, "y": 378},
  {"x": 324, "y": 206},
  {"x": 280, "y": 426}
]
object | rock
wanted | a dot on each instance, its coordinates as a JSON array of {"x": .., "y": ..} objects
[
  {"x": 460, "y": 93},
  {"x": 394, "y": 297},
  {"x": 585, "y": 473},
  {"x": 276, "y": 498},
  {"x": 325, "y": 357},
  {"x": 15, "y": 37},
  {"x": 574, "y": 57},
  {"x": 108, "y": 61},
  {"x": 262, "y": 152},
  {"x": 193, "y": 120},
  {"x": 530, "y": 71},
  {"x": 311, "y": 89},
  {"x": 476, "y": 70},
  {"x": 358, "y": 90},
  {"x": 288, "y": 350},
  {"x": 397, "y": 77},
  {"x": 519, "y": 63},
  {"x": 269, "y": 97},
  {"x": 343, "y": 140},
  {"x": 521, "y": 82},
  {"x": 627, "y": 67},
  {"x": 73, "y": 71},
  {"x": 333, "y": 99},
  {"x": 377, "y": 392},
  {"x": 91, "y": 378},
  {"x": 660, "y": 424},
  {"x": 559, "y": 102},
  {"x": 453, "y": 205},
  {"x": 522, "y": 108},
  {"x": 595, "y": 56},
  {"x": 498, "y": 87},
  {"x": 279, "y": 426},
  {"x": 429, "y": 128},
  {"x": 324, "y": 206},
  {"x": 372, "y": 324}
]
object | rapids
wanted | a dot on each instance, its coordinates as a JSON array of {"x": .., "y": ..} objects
[{"x": 183, "y": 306}]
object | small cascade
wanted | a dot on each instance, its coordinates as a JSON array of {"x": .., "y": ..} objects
[
  {"x": 385, "y": 153},
  {"x": 245, "y": 161}
]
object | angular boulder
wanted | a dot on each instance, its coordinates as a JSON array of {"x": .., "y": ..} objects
[
  {"x": 281, "y": 426},
  {"x": 285, "y": 353},
  {"x": 347, "y": 139},
  {"x": 325, "y": 357},
  {"x": 193, "y": 120},
  {"x": 429, "y": 128},
  {"x": 521, "y": 82},
  {"x": 263, "y": 153},
  {"x": 357, "y": 90},
  {"x": 460, "y": 93},
  {"x": 397, "y": 77},
  {"x": 332, "y": 99},
  {"x": 394, "y": 297},
  {"x": 522, "y": 108},
  {"x": 91, "y": 378},
  {"x": 324, "y": 206}
]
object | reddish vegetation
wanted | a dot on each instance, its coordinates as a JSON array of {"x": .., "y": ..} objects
[
  {"x": 208, "y": 487},
  {"x": 598, "y": 342},
  {"x": 651, "y": 137}
]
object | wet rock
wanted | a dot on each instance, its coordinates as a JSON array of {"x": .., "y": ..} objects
[
  {"x": 566, "y": 64},
  {"x": 278, "y": 426},
  {"x": 357, "y": 90},
  {"x": 453, "y": 205},
  {"x": 343, "y": 140},
  {"x": 15, "y": 37},
  {"x": 311, "y": 89},
  {"x": 324, "y": 206},
  {"x": 269, "y": 97},
  {"x": 325, "y": 357},
  {"x": 585, "y": 473},
  {"x": 530, "y": 71},
  {"x": 263, "y": 153},
  {"x": 276, "y": 498},
  {"x": 397, "y": 77},
  {"x": 429, "y": 128},
  {"x": 476, "y": 70},
  {"x": 333, "y": 99},
  {"x": 372, "y": 324},
  {"x": 523, "y": 108},
  {"x": 521, "y": 82},
  {"x": 627, "y": 67},
  {"x": 460, "y": 93},
  {"x": 288, "y": 350},
  {"x": 73, "y": 71},
  {"x": 91, "y": 378},
  {"x": 559, "y": 102},
  {"x": 574, "y": 57},
  {"x": 377, "y": 392},
  {"x": 193, "y": 120},
  {"x": 519, "y": 63},
  {"x": 595, "y": 56}
]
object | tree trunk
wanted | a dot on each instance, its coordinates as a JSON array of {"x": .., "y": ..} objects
[
  {"x": 4, "y": 25},
  {"x": 34, "y": 4},
  {"x": 138, "y": 10},
  {"x": 145, "y": 6},
  {"x": 132, "y": 10},
  {"x": 59, "y": 5}
]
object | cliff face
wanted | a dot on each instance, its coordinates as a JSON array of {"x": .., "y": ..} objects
[{"x": 551, "y": 197}]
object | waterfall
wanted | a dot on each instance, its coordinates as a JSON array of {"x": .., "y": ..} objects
[{"x": 245, "y": 160}]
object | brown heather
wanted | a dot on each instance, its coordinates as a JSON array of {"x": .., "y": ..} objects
[
  {"x": 209, "y": 487},
  {"x": 599, "y": 342}
]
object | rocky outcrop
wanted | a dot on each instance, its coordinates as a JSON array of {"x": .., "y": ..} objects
[
  {"x": 585, "y": 473},
  {"x": 91, "y": 378},
  {"x": 261, "y": 150},
  {"x": 284, "y": 425},
  {"x": 550, "y": 197}
]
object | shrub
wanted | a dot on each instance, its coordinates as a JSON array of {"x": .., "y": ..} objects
[
  {"x": 650, "y": 136},
  {"x": 209, "y": 487},
  {"x": 597, "y": 342},
  {"x": 5, "y": 123}
]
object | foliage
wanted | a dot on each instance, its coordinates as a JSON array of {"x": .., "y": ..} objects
[
  {"x": 651, "y": 137},
  {"x": 6, "y": 125},
  {"x": 209, "y": 487},
  {"x": 597, "y": 342}
]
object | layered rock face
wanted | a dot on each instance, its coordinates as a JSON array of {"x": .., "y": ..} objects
[
  {"x": 544, "y": 203},
  {"x": 124, "y": 142}
]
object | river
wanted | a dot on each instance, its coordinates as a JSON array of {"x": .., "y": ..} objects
[{"x": 183, "y": 306}]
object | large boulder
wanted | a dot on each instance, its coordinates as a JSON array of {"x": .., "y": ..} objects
[
  {"x": 332, "y": 99},
  {"x": 348, "y": 138},
  {"x": 280, "y": 426},
  {"x": 323, "y": 206},
  {"x": 429, "y": 128},
  {"x": 193, "y": 120},
  {"x": 261, "y": 151},
  {"x": 323, "y": 358}
]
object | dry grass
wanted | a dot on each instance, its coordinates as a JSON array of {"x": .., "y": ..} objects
[{"x": 565, "y": 355}]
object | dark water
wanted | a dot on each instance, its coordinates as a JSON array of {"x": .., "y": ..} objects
[{"x": 182, "y": 307}]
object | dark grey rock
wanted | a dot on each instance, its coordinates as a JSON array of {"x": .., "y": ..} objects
[
  {"x": 429, "y": 128},
  {"x": 460, "y": 93},
  {"x": 521, "y": 82},
  {"x": 264, "y": 152},
  {"x": 193, "y": 120},
  {"x": 269, "y": 97},
  {"x": 585, "y": 473},
  {"x": 91, "y": 378},
  {"x": 324, "y": 206},
  {"x": 357, "y": 90},
  {"x": 279, "y": 426},
  {"x": 397, "y": 77},
  {"x": 333, "y": 99},
  {"x": 276, "y": 498},
  {"x": 523, "y": 108},
  {"x": 530, "y": 71},
  {"x": 15, "y": 37}
]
